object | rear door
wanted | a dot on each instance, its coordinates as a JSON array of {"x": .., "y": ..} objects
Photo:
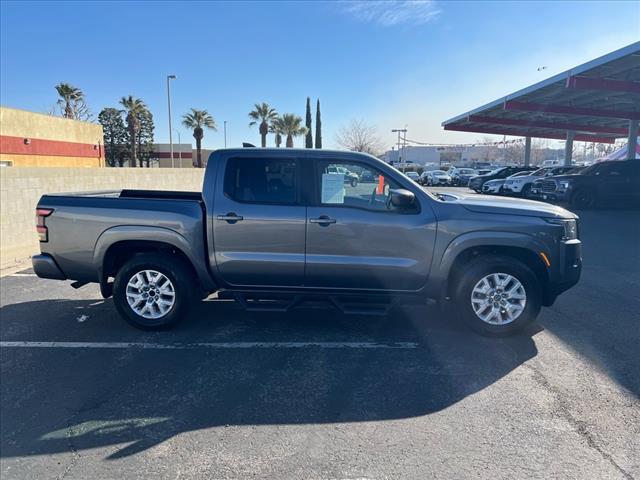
[
  {"x": 356, "y": 240},
  {"x": 259, "y": 222}
]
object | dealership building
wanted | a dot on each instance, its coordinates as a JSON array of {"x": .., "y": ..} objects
[{"x": 29, "y": 139}]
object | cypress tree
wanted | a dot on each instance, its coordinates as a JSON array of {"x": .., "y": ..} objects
[
  {"x": 318, "y": 126},
  {"x": 308, "y": 139}
]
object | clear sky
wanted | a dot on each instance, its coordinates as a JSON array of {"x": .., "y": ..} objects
[{"x": 392, "y": 64}]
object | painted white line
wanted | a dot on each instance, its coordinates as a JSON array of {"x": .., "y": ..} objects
[
  {"x": 22, "y": 275},
  {"x": 212, "y": 345}
]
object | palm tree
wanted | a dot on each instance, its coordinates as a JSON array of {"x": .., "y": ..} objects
[
  {"x": 291, "y": 125},
  {"x": 135, "y": 108},
  {"x": 264, "y": 114},
  {"x": 68, "y": 96},
  {"x": 276, "y": 127},
  {"x": 197, "y": 120}
]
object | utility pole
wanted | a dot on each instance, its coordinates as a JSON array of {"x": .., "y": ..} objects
[
  {"x": 399, "y": 131},
  {"x": 169, "y": 78}
]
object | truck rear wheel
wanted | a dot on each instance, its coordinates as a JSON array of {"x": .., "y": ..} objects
[
  {"x": 153, "y": 291},
  {"x": 497, "y": 295}
]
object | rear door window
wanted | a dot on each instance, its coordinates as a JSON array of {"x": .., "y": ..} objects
[{"x": 262, "y": 180}]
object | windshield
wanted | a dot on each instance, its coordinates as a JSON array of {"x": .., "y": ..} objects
[
  {"x": 466, "y": 171},
  {"x": 593, "y": 169},
  {"x": 439, "y": 172}
]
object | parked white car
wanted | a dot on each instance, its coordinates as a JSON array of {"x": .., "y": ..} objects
[
  {"x": 413, "y": 176},
  {"x": 493, "y": 187},
  {"x": 497, "y": 186},
  {"x": 521, "y": 184},
  {"x": 435, "y": 177}
]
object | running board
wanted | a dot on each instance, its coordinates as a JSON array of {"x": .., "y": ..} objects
[{"x": 283, "y": 302}]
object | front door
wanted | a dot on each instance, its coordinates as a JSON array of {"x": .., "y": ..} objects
[
  {"x": 356, "y": 239},
  {"x": 259, "y": 223},
  {"x": 620, "y": 180}
]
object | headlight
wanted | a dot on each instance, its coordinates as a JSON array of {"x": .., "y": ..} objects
[
  {"x": 564, "y": 184},
  {"x": 516, "y": 181},
  {"x": 570, "y": 226}
]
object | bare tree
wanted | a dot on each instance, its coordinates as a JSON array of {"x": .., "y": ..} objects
[
  {"x": 514, "y": 152},
  {"x": 360, "y": 137}
]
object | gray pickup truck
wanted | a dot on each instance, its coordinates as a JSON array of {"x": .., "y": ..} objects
[{"x": 276, "y": 227}]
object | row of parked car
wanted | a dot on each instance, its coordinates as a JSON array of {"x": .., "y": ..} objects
[
  {"x": 455, "y": 176},
  {"x": 581, "y": 187}
]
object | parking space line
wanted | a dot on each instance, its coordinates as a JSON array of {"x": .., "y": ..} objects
[
  {"x": 22, "y": 275},
  {"x": 210, "y": 345}
]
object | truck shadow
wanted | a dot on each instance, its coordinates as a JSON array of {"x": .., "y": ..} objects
[{"x": 61, "y": 400}]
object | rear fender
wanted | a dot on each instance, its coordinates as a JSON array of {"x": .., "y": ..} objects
[{"x": 194, "y": 253}]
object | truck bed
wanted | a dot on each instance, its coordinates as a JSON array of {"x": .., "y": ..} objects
[
  {"x": 130, "y": 193},
  {"x": 81, "y": 223}
]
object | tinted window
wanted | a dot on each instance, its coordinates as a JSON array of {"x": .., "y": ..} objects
[{"x": 261, "y": 180}]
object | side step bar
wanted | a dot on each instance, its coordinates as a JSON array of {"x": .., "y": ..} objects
[{"x": 283, "y": 302}]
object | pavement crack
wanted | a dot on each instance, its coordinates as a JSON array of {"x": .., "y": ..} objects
[
  {"x": 75, "y": 456},
  {"x": 578, "y": 425}
]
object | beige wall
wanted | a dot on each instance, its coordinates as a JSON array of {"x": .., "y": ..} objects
[
  {"x": 17, "y": 160},
  {"x": 21, "y": 188},
  {"x": 22, "y": 123},
  {"x": 55, "y": 141}
]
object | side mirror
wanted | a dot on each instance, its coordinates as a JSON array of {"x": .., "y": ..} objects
[{"x": 402, "y": 198}]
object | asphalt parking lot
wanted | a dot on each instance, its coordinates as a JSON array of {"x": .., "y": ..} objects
[{"x": 315, "y": 394}]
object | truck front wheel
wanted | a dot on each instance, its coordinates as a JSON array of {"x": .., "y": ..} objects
[
  {"x": 152, "y": 291},
  {"x": 497, "y": 295}
]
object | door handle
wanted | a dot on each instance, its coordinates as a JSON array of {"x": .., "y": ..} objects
[
  {"x": 230, "y": 217},
  {"x": 322, "y": 220}
]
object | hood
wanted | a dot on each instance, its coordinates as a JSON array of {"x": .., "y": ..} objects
[
  {"x": 512, "y": 206},
  {"x": 565, "y": 177}
]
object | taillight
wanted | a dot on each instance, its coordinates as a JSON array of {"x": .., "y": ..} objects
[{"x": 41, "y": 228}]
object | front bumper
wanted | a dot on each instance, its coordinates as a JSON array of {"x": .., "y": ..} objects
[
  {"x": 563, "y": 196},
  {"x": 512, "y": 188},
  {"x": 566, "y": 273},
  {"x": 45, "y": 266},
  {"x": 491, "y": 188}
]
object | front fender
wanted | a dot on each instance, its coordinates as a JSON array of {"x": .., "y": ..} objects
[
  {"x": 194, "y": 251},
  {"x": 480, "y": 238}
]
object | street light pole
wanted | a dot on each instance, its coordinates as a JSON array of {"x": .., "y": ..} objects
[
  {"x": 179, "y": 147},
  {"x": 169, "y": 78}
]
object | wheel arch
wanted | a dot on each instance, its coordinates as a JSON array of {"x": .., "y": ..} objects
[
  {"x": 119, "y": 244},
  {"x": 522, "y": 247}
]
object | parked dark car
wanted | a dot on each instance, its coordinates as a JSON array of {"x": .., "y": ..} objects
[
  {"x": 601, "y": 183},
  {"x": 476, "y": 183},
  {"x": 521, "y": 184},
  {"x": 536, "y": 187},
  {"x": 275, "y": 227},
  {"x": 460, "y": 176}
]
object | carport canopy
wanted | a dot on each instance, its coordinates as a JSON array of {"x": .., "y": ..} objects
[{"x": 598, "y": 101}]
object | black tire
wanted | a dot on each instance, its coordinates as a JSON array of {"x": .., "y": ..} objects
[
  {"x": 584, "y": 198},
  {"x": 478, "y": 269},
  {"x": 526, "y": 191},
  {"x": 354, "y": 182},
  {"x": 171, "y": 267}
]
